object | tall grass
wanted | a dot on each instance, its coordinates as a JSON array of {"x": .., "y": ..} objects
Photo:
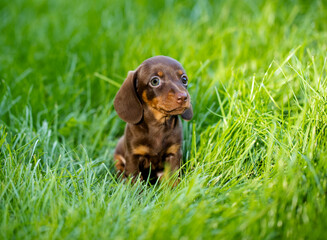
[{"x": 255, "y": 154}]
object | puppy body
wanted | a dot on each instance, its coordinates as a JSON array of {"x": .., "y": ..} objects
[{"x": 150, "y": 100}]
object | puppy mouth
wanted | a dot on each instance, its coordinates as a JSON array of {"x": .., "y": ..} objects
[
  {"x": 172, "y": 108},
  {"x": 175, "y": 111}
]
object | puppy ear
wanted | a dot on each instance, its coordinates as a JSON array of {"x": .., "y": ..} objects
[
  {"x": 188, "y": 114},
  {"x": 127, "y": 103}
]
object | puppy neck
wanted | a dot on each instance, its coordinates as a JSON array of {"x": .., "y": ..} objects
[{"x": 156, "y": 118}]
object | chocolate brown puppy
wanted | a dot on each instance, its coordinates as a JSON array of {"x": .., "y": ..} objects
[{"x": 150, "y": 100}]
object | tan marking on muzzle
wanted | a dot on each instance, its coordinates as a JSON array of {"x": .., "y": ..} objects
[{"x": 153, "y": 104}]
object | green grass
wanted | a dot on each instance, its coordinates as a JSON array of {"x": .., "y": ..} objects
[{"x": 255, "y": 153}]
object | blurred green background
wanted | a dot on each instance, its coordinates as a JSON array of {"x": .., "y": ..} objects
[{"x": 254, "y": 153}]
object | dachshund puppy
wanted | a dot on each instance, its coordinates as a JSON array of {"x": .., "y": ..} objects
[{"x": 150, "y": 100}]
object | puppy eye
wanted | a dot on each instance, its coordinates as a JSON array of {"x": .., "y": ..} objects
[
  {"x": 184, "y": 80},
  {"x": 155, "y": 82}
]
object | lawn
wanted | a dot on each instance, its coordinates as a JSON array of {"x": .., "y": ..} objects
[{"x": 254, "y": 155}]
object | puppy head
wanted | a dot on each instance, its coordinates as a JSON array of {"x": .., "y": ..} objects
[{"x": 159, "y": 83}]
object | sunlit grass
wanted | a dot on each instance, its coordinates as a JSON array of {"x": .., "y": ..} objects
[{"x": 255, "y": 154}]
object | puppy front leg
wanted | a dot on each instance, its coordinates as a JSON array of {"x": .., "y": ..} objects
[
  {"x": 173, "y": 157},
  {"x": 173, "y": 162},
  {"x": 132, "y": 168}
]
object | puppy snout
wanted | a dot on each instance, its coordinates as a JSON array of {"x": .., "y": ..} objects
[{"x": 181, "y": 97}]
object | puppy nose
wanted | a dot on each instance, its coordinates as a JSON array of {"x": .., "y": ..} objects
[{"x": 181, "y": 97}]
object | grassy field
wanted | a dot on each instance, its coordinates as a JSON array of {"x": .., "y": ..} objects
[{"x": 255, "y": 153}]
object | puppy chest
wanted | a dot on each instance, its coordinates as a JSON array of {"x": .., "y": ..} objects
[
  {"x": 156, "y": 147},
  {"x": 157, "y": 157}
]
